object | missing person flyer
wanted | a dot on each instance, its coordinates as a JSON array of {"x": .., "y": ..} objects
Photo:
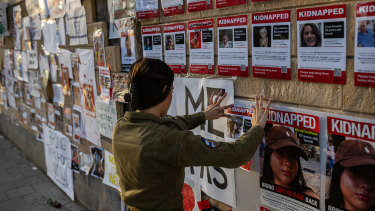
[
  {"x": 172, "y": 7},
  {"x": 364, "y": 56},
  {"x": 350, "y": 168},
  {"x": 322, "y": 44},
  {"x": 229, "y": 3},
  {"x": 201, "y": 43},
  {"x": 233, "y": 46},
  {"x": 199, "y": 5},
  {"x": 290, "y": 160},
  {"x": 271, "y": 45},
  {"x": 174, "y": 47},
  {"x": 151, "y": 40},
  {"x": 147, "y": 9}
]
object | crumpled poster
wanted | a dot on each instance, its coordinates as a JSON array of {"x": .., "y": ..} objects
[
  {"x": 56, "y": 8},
  {"x": 90, "y": 129},
  {"x": 77, "y": 26},
  {"x": 106, "y": 116},
  {"x": 49, "y": 36},
  {"x": 32, "y": 6}
]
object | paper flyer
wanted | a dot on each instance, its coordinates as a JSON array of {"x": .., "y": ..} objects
[
  {"x": 56, "y": 8},
  {"x": 172, "y": 7},
  {"x": 147, "y": 9},
  {"x": 32, "y": 6},
  {"x": 58, "y": 94},
  {"x": 51, "y": 116},
  {"x": 98, "y": 41},
  {"x": 127, "y": 49},
  {"x": 68, "y": 122},
  {"x": 191, "y": 193},
  {"x": 31, "y": 27},
  {"x": 322, "y": 44},
  {"x": 77, "y": 26},
  {"x": 106, "y": 116},
  {"x": 364, "y": 56},
  {"x": 49, "y": 39},
  {"x": 3, "y": 20},
  {"x": 32, "y": 55},
  {"x": 75, "y": 158},
  {"x": 120, "y": 87},
  {"x": 199, "y": 5},
  {"x": 116, "y": 26},
  {"x": 271, "y": 45},
  {"x": 17, "y": 17},
  {"x": 110, "y": 172},
  {"x": 97, "y": 155},
  {"x": 152, "y": 42},
  {"x": 123, "y": 8},
  {"x": 229, "y": 3},
  {"x": 174, "y": 47},
  {"x": 201, "y": 44},
  {"x": 105, "y": 84},
  {"x": 233, "y": 46},
  {"x": 34, "y": 82},
  {"x": 59, "y": 118},
  {"x": 76, "y": 96},
  {"x": 76, "y": 127}
]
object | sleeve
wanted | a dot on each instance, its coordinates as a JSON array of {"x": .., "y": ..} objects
[
  {"x": 188, "y": 122},
  {"x": 192, "y": 151}
]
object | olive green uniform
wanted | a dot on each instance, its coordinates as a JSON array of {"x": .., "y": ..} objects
[{"x": 152, "y": 153}]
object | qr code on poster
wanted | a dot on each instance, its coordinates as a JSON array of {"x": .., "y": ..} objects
[
  {"x": 337, "y": 72},
  {"x": 284, "y": 69}
]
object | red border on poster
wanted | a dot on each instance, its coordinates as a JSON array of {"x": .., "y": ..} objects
[
  {"x": 240, "y": 20},
  {"x": 169, "y": 11},
  {"x": 151, "y": 29},
  {"x": 177, "y": 27},
  {"x": 232, "y": 71},
  {"x": 271, "y": 72},
  {"x": 229, "y": 3},
  {"x": 147, "y": 14},
  {"x": 319, "y": 13},
  {"x": 271, "y": 17},
  {"x": 324, "y": 76},
  {"x": 199, "y": 6},
  {"x": 364, "y": 79},
  {"x": 365, "y": 9}
]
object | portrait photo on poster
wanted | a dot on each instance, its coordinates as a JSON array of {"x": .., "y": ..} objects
[{"x": 97, "y": 155}]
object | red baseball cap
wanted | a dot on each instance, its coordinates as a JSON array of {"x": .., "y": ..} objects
[{"x": 355, "y": 153}]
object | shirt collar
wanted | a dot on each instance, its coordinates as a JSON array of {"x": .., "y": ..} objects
[{"x": 141, "y": 116}]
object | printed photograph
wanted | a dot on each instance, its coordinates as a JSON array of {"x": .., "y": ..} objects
[
  {"x": 97, "y": 155},
  {"x": 226, "y": 38},
  {"x": 262, "y": 36},
  {"x": 366, "y": 33},
  {"x": 147, "y": 42},
  {"x": 310, "y": 35},
  {"x": 88, "y": 92},
  {"x": 195, "y": 40},
  {"x": 234, "y": 126},
  {"x": 75, "y": 158},
  {"x": 169, "y": 42}
]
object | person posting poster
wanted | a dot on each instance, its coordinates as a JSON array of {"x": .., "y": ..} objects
[
  {"x": 174, "y": 47},
  {"x": 271, "y": 45},
  {"x": 201, "y": 43},
  {"x": 151, "y": 40},
  {"x": 322, "y": 44},
  {"x": 172, "y": 7},
  {"x": 229, "y": 3},
  {"x": 199, "y": 5},
  {"x": 232, "y": 46},
  {"x": 351, "y": 163},
  {"x": 364, "y": 56},
  {"x": 147, "y": 9}
]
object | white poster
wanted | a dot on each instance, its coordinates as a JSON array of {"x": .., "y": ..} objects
[
  {"x": 20, "y": 65},
  {"x": 271, "y": 45},
  {"x": 192, "y": 95},
  {"x": 322, "y": 44},
  {"x": 56, "y": 8},
  {"x": 174, "y": 47},
  {"x": 51, "y": 116},
  {"x": 17, "y": 16},
  {"x": 233, "y": 46},
  {"x": 147, "y": 9},
  {"x": 32, "y": 6},
  {"x": 127, "y": 49},
  {"x": 201, "y": 45},
  {"x": 172, "y": 7},
  {"x": 9, "y": 82},
  {"x": 58, "y": 159},
  {"x": 116, "y": 26},
  {"x": 60, "y": 31},
  {"x": 110, "y": 172},
  {"x": 77, "y": 26},
  {"x": 3, "y": 20},
  {"x": 65, "y": 61},
  {"x": 43, "y": 9},
  {"x": 58, "y": 94},
  {"x": 105, "y": 84},
  {"x": 19, "y": 38},
  {"x": 364, "y": 56},
  {"x": 106, "y": 116},
  {"x": 90, "y": 129},
  {"x": 49, "y": 35},
  {"x": 32, "y": 55},
  {"x": 31, "y": 27},
  {"x": 152, "y": 44},
  {"x": 34, "y": 82}
]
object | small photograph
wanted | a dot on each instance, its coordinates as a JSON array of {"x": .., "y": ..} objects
[
  {"x": 366, "y": 33},
  {"x": 147, "y": 42},
  {"x": 262, "y": 36},
  {"x": 234, "y": 126},
  {"x": 310, "y": 35},
  {"x": 169, "y": 42},
  {"x": 120, "y": 87},
  {"x": 65, "y": 80},
  {"x": 88, "y": 92},
  {"x": 226, "y": 38},
  {"x": 195, "y": 40},
  {"x": 97, "y": 155},
  {"x": 68, "y": 121},
  {"x": 51, "y": 115},
  {"x": 75, "y": 158}
]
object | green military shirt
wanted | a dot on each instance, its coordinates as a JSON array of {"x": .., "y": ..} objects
[{"x": 151, "y": 154}]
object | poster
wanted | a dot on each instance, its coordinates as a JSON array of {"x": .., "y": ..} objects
[
  {"x": 174, "y": 47},
  {"x": 120, "y": 87},
  {"x": 51, "y": 116},
  {"x": 32, "y": 120},
  {"x": 77, "y": 26},
  {"x": 27, "y": 94},
  {"x": 350, "y": 163},
  {"x": 76, "y": 96},
  {"x": 364, "y": 56},
  {"x": 32, "y": 55},
  {"x": 151, "y": 42},
  {"x": 201, "y": 45},
  {"x": 76, "y": 126},
  {"x": 127, "y": 49},
  {"x": 9, "y": 83},
  {"x": 74, "y": 65},
  {"x": 229, "y": 3},
  {"x": 60, "y": 31},
  {"x": 68, "y": 121},
  {"x": 43, "y": 9},
  {"x": 20, "y": 67},
  {"x": 17, "y": 16},
  {"x": 191, "y": 95},
  {"x": 49, "y": 36},
  {"x": 31, "y": 27},
  {"x": 105, "y": 84},
  {"x": 85, "y": 162},
  {"x": 34, "y": 82},
  {"x": 172, "y": 7},
  {"x": 3, "y": 20},
  {"x": 59, "y": 118},
  {"x": 116, "y": 26},
  {"x": 89, "y": 129},
  {"x": 64, "y": 57},
  {"x": 32, "y": 7},
  {"x": 322, "y": 44},
  {"x": 106, "y": 116},
  {"x": 110, "y": 172},
  {"x": 53, "y": 67},
  {"x": 289, "y": 155},
  {"x": 147, "y": 9},
  {"x": 98, "y": 37},
  {"x": 58, "y": 94},
  {"x": 271, "y": 45},
  {"x": 199, "y": 5},
  {"x": 43, "y": 65},
  {"x": 191, "y": 193},
  {"x": 233, "y": 46},
  {"x": 65, "y": 76},
  {"x": 58, "y": 160},
  {"x": 75, "y": 158},
  {"x": 39, "y": 125},
  {"x": 97, "y": 155},
  {"x": 56, "y": 8},
  {"x": 19, "y": 37},
  {"x": 123, "y": 8}
]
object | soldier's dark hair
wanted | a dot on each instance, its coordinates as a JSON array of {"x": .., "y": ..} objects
[{"x": 150, "y": 82}]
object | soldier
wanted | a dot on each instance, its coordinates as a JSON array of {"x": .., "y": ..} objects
[{"x": 151, "y": 150}]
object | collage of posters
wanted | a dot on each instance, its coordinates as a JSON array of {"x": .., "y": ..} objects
[
  {"x": 152, "y": 42},
  {"x": 174, "y": 47}
]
